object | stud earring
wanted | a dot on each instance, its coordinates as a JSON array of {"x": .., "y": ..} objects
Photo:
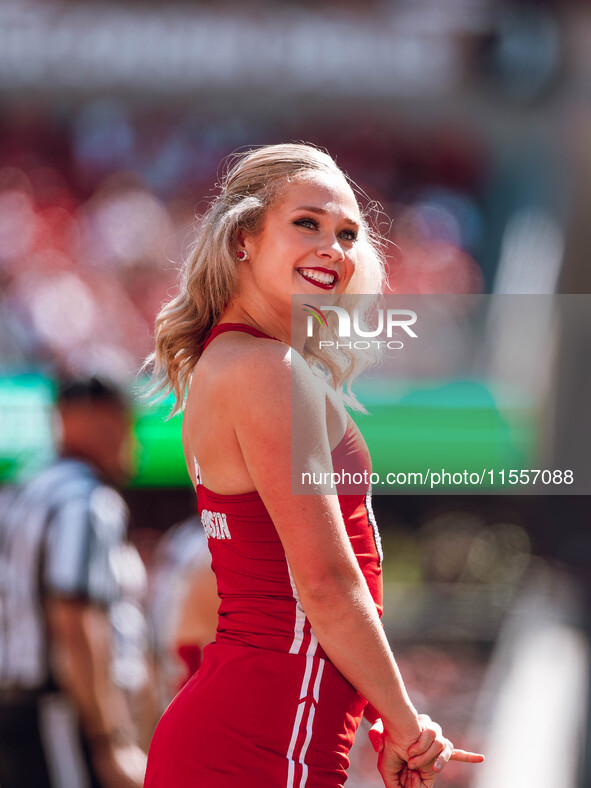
[{"x": 242, "y": 254}]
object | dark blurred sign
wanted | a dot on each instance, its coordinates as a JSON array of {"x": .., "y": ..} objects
[{"x": 173, "y": 49}]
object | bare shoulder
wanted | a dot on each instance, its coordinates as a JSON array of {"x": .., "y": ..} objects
[
  {"x": 246, "y": 370},
  {"x": 235, "y": 354},
  {"x": 253, "y": 391}
]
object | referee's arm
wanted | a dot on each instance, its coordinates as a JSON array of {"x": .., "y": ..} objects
[{"x": 81, "y": 634}]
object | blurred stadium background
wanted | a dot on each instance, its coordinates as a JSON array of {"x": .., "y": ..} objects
[{"x": 469, "y": 121}]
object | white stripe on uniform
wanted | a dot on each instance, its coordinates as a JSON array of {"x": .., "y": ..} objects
[
  {"x": 310, "y": 724},
  {"x": 298, "y": 726},
  {"x": 300, "y": 621}
]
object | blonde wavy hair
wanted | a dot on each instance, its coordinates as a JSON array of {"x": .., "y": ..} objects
[{"x": 209, "y": 276}]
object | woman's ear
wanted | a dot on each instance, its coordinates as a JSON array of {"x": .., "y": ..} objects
[
  {"x": 241, "y": 240},
  {"x": 245, "y": 244}
]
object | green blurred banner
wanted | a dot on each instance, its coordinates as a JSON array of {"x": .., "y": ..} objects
[
  {"x": 27, "y": 439},
  {"x": 448, "y": 424}
]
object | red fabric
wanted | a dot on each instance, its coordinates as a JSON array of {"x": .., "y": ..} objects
[
  {"x": 266, "y": 708},
  {"x": 370, "y": 713},
  {"x": 190, "y": 653},
  {"x": 257, "y": 606},
  {"x": 242, "y": 721}
]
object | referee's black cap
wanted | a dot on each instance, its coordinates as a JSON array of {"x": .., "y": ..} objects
[{"x": 92, "y": 390}]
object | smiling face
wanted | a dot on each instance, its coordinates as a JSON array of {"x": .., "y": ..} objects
[{"x": 307, "y": 243}]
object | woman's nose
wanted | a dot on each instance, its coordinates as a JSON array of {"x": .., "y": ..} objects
[{"x": 330, "y": 248}]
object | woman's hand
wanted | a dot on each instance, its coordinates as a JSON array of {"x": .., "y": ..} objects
[
  {"x": 392, "y": 759},
  {"x": 422, "y": 762}
]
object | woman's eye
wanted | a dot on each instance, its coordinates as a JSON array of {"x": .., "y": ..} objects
[
  {"x": 311, "y": 224},
  {"x": 349, "y": 235}
]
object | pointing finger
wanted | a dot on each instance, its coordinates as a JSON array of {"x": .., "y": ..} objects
[{"x": 466, "y": 757}]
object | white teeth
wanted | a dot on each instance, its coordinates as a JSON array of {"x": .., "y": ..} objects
[{"x": 317, "y": 276}]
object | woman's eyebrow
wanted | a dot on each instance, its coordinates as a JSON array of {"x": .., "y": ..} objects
[{"x": 322, "y": 211}]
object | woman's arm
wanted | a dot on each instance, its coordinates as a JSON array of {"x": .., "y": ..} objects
[{"x": 267, "y": 385}]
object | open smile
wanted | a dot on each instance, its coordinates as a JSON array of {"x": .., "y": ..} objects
[{"x": 320, "y": 277}]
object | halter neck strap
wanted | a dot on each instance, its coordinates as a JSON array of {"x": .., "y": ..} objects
[{"x": 222, "y": 328}]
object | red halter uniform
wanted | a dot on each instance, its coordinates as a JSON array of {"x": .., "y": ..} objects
[{"x": 266, "y": 709}]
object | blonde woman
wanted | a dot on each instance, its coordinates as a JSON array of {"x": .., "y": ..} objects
[{"x": 299, "y": 651}]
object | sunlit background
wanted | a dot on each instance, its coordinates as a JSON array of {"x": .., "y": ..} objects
[{"x": 469, "y": 122}]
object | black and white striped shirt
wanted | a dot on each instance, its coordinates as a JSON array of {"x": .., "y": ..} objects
[{"x": 63, "y": 533}]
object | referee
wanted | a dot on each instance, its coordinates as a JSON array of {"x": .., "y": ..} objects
[{"x": 64, "y": 564}]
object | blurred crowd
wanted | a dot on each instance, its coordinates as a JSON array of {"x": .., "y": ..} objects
[{"x": 97, "y": 207}]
